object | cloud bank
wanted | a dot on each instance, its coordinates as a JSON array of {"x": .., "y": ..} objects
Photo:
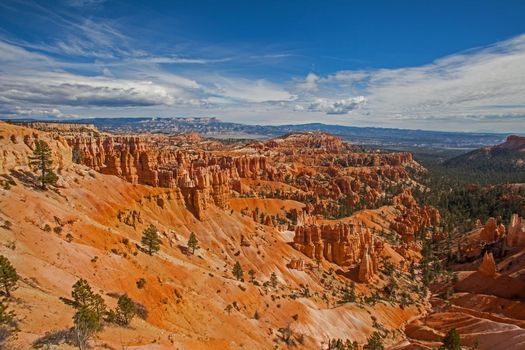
[{"x": 95, "y": 69}]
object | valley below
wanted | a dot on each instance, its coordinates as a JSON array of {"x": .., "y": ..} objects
[{"x": 299, "y": 241}]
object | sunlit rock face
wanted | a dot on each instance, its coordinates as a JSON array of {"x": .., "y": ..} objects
[{"x": 203, "y": 179}]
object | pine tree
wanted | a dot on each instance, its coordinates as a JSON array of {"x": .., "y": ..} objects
[
  {"x": 8, "y": 276},
  {"x": 193, "y": 243},
  {"x": 125, "y": 310},
  {"x": 86, "y": 324},
  {"x": 91, "y": 309},
  {"x": 451, "y": 341},
  {"x": 41, "y": 161},
  {"x": 150, "y": 239},
  {"x": 237, "y": 271},
  {"x": 374, "y": 342},
  {"x": 82, "y": 294},
  {"x": 99, "y": 306},
  {"x": 348, "y": 294}
]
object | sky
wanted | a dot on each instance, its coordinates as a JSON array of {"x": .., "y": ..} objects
[{"x": 436, "y": 65}]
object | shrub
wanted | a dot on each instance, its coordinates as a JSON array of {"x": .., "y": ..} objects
[
  {"x": 125, "y": 310},
  {"x": 7, "y": 225},
  {"x": 451, "y": 341},
  {"x": 8, "y": 276},
  {"x": 375, "y": 342},
  {"x": 140, "y": 283}
]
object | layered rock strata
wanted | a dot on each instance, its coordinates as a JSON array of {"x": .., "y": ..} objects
[{"x": 203, "y": 179}]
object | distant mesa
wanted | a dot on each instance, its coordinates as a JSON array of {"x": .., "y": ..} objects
[
  {"x": 508, "y": 155},
  {"x": 514, "y": 142}
]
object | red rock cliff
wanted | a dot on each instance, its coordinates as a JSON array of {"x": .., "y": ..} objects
[{"x": 203, "y": 179}]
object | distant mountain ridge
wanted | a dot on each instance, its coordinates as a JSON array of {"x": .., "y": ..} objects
[{"x": 371, "y": 136}]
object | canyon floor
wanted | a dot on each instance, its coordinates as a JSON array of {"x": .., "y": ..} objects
[{"x": 321, "y": 216}]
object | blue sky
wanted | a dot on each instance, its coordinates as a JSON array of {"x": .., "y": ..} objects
[{"x": 441, "y": 65}]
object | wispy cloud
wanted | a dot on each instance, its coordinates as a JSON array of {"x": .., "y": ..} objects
[
  {"x": 246, "y": 90},
  {"x": 84, "y": 3},
  {"x": 95, "y": 64},
  {"x": 482, "y": 82},
  {"x": 343, "y": 106}
]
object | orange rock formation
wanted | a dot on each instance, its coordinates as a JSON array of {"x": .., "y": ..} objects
[
  {"x": 341, "y": 243},
  {"x": 112, "y": 187},
  {"x": 492, "y": 231},
  {"x": 488, "y": 265},
  {"x": 516, "y": 232}
]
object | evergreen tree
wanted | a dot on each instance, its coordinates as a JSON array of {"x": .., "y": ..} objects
[
  {"x": 451, "y": 341},
  {"x": 41, "y": 161},
  {"x": 84, "y": 297},
  {"x": 86, "y": 324},
  {"x": 150, "y": 239},
  {"x": 237, "y": 271},
  {"x": 91, "y": 309},
  {"x": 349, "y": 294},
  {"x": 374, "y": 342},
  {"x": 82, "y": 294},
  {"x": 193, "y": 243},
  {"x": 99, "y": 306},
  {"x": 125, "y": 310},
  {"x": 8, "y": 276}
]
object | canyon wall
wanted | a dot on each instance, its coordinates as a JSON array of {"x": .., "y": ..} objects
[{"x": 202, "y": 177}]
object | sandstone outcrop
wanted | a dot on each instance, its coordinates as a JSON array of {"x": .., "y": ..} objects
[
  {"x": 516, "y": 232},
  {"x": 491, "y": 232},
  {"x": 488, "y": 265},
  {"x": 413, "y": 218},
  {"x": 341, "y": 243},
  {"x": 155, "y": 179},
  {"x": 296, "y": 264},
  {"x": 367, "y": 267},
  {"x": 514, "y": 142},
  {"x": 203, "y": 179}
]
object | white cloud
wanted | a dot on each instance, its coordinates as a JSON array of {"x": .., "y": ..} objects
[
  {"x": 483, "y": 82},
  {"x": 55, "y": 89},
  {"x": 114, "y": 76},
  {"x": 84, "y": 3},
  {"x": 251, "y": 91},
  {"x": 37, "y": 112},
  {"x": 41, "y": 84},
  {"x": 327, "y": 106},
  {"x": 309, "y": 83}
]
